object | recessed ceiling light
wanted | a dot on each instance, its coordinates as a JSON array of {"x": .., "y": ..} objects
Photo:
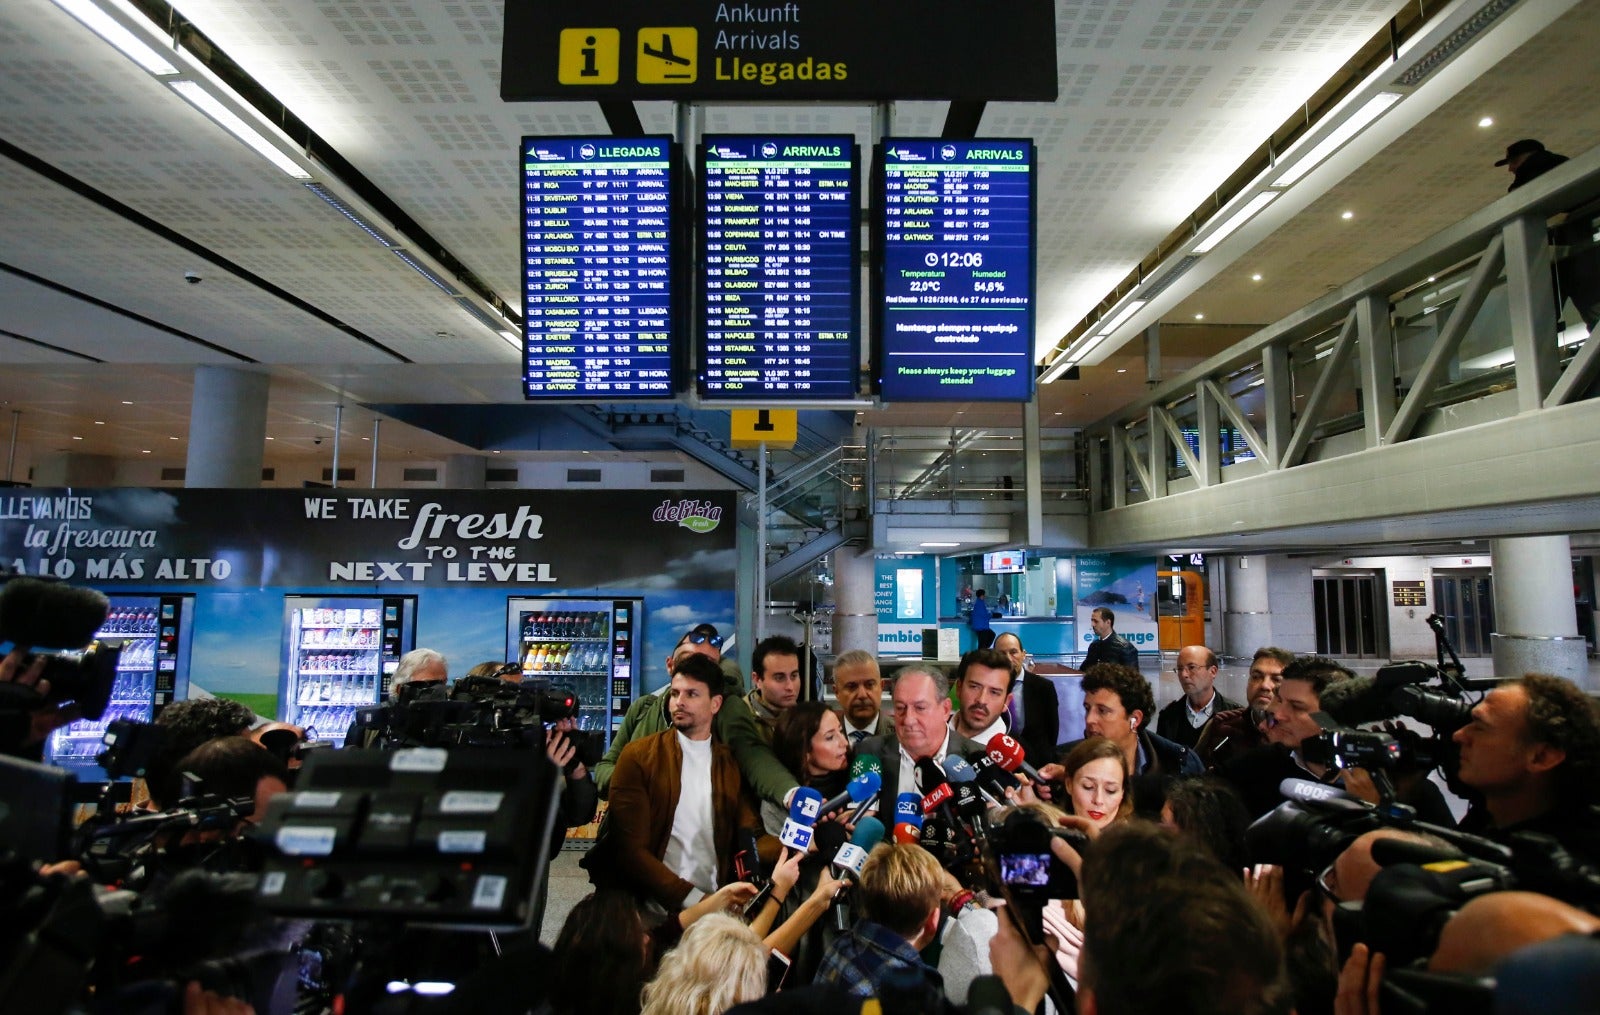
[
  {"x": 496, "y": 452},
  {"x": 1433, "y": 278},
  {"x": 1199, "y": 317},
  {"x": 144, "y": 451},
  {"x": 172, "y": 438},
  {"x": 1347, "y": 215},
  {"x": 1256, "y": 277},
  {"x": 99, "y": 422},
  {"x": 1060, "y": 414},
  {"x": 77, "y": 438},
  {"x": 1487, "y": 121},
  {"x": 366, "y": 438},
  {"x": 1120, "y": 370},
  {"x": 127, "y": 403},
  {"x": 938, "y": 545}
]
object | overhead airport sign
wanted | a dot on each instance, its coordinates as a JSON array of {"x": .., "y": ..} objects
[{"x": 842, "y": 50}]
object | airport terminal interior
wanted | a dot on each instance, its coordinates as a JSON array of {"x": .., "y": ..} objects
[{"x": 1298, "y": 370}]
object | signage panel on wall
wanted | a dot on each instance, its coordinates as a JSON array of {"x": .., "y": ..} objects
[
  {"x": 954, "y": 269},
  {"x": 801, "y": 49},
  {"x": 601, "y": 295},
  {"x": 1125, "y": 584},
  {"x": 779, "y": 268},
  {"x": 560, "y": 539}
]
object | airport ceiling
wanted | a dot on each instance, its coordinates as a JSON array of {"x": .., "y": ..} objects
[{"x": 113, "y": 188}]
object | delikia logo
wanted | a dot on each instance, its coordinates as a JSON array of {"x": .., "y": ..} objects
[{"x": 695, "y": 515}]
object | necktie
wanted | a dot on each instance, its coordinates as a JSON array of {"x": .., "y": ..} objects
[{"x": 856, "y": 736}]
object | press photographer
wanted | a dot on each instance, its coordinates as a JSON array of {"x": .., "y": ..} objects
[{"x": 47, "y": 677}]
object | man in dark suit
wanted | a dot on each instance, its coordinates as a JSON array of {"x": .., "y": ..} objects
[
  {"x": 921, "y": 730},
  {"x": 1036, "y": 712},
  {"x": 1108, "y": 646},
  {"x": 859, "y": 690},
  {"x": 1182, "y": 720}
]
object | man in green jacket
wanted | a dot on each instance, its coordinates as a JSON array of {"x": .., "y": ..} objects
[{"x": 735, "y": 725}]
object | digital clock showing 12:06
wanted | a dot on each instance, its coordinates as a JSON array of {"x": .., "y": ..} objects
[{"x": 954, "y": 275}]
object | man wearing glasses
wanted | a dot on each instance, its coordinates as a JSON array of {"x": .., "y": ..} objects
[{"x": 734, "y": 725}]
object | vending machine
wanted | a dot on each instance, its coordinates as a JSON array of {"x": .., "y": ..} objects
[
  {"x": 587, "y": 645},
  {"x": 152, "y": 671},
  {"x": 339, "y": 654}
]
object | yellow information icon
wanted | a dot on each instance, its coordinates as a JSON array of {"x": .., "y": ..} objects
[
  {"x": 668, "y": 56},
  {"x": 590, "y": 56}
]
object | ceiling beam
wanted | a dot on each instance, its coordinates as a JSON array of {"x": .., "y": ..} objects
[
  {"x": 622, "y": 117},
  {"x": 961, "y": 121}
]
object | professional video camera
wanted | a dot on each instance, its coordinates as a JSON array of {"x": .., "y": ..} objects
[
  {"x": 478, "y": 712},
  {"x": 59, "y": 621}
]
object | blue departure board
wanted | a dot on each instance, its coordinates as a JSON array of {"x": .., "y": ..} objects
[
  {"x": 955, "y": 270},
  {"x": 600, "y": 303},
  {"x": 780, "y": 270}
]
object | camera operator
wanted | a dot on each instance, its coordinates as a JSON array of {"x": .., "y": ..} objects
[
  {"x": 185, "y": 725},
  {"x": 1530, "y": 755},
  {"x": 26, "y": 715}
]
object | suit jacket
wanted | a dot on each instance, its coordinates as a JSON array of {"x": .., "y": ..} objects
[
  {"x": 1172, "y": 722},
  {"x": 1041, "y": 720},
  {"x": 1115, "y": 649},
  {"x": 887, "y": 750},
  {"x": 882, "y": 727},
  {"x": 644, "y": 796}
]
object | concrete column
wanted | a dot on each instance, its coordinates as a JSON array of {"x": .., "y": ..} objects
[
  {"x": 227, "y": 428},
  {"x": 855, "y": 609},
  {"x": 1534, "y": 613},
  {"x": 1247, "y": 623},
  {"x": 466, "y": 472}
]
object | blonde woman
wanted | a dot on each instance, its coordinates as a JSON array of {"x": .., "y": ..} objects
[{"x": 719, "y": 963}]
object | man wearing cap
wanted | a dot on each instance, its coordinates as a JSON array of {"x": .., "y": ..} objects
[
  {"x": 1577, "y": 267},
  {"x": 734, "y": 725},
  {"x": 1527, "y": 159}
]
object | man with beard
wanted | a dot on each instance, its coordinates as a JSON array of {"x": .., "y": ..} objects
[
  {"x": 676, "y": 802},
  {"x": 983, "y": 690},
  {"x": 1232, "y": 732},
  {"x": 1290, "y": 722}
]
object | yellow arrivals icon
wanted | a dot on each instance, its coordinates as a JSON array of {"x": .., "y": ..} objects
[
  {"x": 589, "y": 56},
  {"x": 668, "y": 56}
]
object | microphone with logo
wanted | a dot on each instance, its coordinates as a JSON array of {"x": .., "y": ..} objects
[
  {"x": 968, "y": 804},
  {"x": 1009, "y": 755},
  {"x": 908, "y": 818},
  {"x": 994, "y": 781},
  {"x": 861, "y": 791},
  {"x": 798, "y": 827},
  {"x": 847, "y": 864}
]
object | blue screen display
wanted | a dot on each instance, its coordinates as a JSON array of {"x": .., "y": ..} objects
[
  {"x": 779, "y": 277},
  {"x": 598, "y": 267},
  {"x": 956, "y": 246}
]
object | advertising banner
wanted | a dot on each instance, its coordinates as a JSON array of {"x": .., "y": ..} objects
[
  {"x": 634, "y": 539},
  {"x": 1125, "y": 584}
]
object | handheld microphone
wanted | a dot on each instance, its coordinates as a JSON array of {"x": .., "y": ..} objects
[
  {"x": 929, "y": 774},
  {"x": 865, "y": 763},
  {"x": 958, "y": 770},
  {"x": 907, "y": 833},
  {"x": 937, "y": 798},
  {"x": 831, "y": 837},
  {"x": 797, "y": 828},
  {"x": 908, "y": 809},
  {"x": 851, "y": 856},
  {"x": 847, "y": 864},
  {"x": 994, "y": 781},
  {"x": 863, "y": 787},
  {"x": 970, "y": 809},
  {"x": 1008, "y": 754}
]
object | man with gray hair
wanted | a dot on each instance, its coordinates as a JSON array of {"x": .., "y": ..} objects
[
  {"x": 419, "y": 667},
  {"x": 921, "y": 731},
  {"x": 859, "y": 689}
]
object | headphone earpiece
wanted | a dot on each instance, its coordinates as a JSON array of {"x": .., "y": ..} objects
[{"x": 1133, "y": 722}]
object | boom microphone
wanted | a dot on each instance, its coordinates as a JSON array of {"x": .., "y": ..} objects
[{"x": 49, "y": 615}]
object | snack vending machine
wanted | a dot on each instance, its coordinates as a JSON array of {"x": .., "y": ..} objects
[
  {"x": 152, "y": 671},
  {"x": 339, "y": 653},
  {"x": 587, "y": 645}
]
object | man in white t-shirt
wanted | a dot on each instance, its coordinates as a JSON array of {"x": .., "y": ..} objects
[{"x": 676, "y": 801}]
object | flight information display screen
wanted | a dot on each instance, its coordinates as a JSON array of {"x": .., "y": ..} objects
[
  {"x": 955, "y": 270},
  {"x": 600, "y": 301},
  {"x": 779, "y": 276}
]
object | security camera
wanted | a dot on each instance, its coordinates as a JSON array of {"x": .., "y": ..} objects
[
  {"x": 316, "y": 440},
  {"x": 192, "y": 277}
]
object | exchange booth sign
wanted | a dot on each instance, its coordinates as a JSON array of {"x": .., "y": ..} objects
[{"x": 843, "y": 50}]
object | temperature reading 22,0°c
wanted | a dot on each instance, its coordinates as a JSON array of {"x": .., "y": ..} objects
[{"x": 953, "y": 259}]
